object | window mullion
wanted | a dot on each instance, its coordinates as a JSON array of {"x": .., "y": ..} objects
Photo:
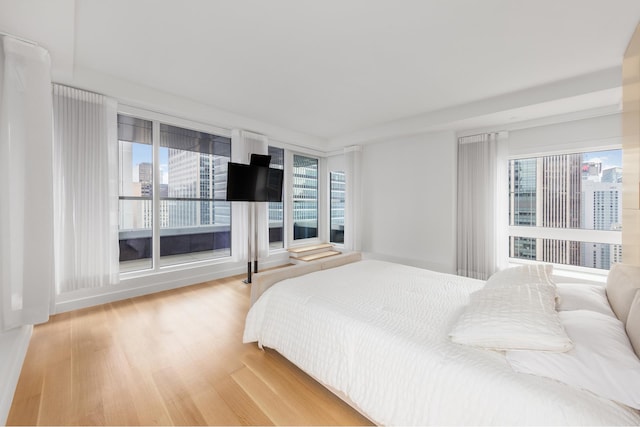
[
  {"x": 156, "y": 196},
  {"x": 573, "y": 234}
]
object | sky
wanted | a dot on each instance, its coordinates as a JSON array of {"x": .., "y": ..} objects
[
  {"x": 142, "y": 153},
  {"x": 609, "y": 158}
]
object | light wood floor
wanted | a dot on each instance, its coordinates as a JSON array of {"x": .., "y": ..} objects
[{"x": 172, "y": 358}]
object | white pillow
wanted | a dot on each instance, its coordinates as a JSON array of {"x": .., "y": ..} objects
[
  {"x": 602, "y": 360},
  {"x": 583, "y": 296},
  {"x": 521, "y": 275},
  {"x": 622, "y": 283},
  {"x": 633, "y": 323},
  {"x": 516, "y": 317}
]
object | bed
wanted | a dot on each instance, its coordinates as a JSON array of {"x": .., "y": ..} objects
[{"x": 378, "y": 335}]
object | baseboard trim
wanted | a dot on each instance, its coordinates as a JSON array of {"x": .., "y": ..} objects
[
  {"x": 154, "y": 283},
  {"x": 13, "y": 350}
]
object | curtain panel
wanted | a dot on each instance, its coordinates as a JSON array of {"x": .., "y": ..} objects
[
  {"x": 26, "y": 227},
  {"x": 243, "y": 144},
  {"x": 481, "y": 205},
  {"x": 353, "y": 198},
  {"x": 85, "y": 189}
]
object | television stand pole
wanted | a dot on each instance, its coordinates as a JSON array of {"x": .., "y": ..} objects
[
  {"x": 255, "y": 237},
  {"x": 250, "y": 210}
]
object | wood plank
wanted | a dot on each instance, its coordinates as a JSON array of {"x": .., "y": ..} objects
[
  {"x": 214, "y": 409},
  {"x": 175, "y": 357},
  {"x": 247, "y": 411},
  {"x": 322, "y": 398},
  {"x": 319, "y": 255},
  {"x": 302, "y": 249},
  {"x": 278, "y": 409},
  {"x": 177, "y": 398},
  {"x": 266, "y": 369}
]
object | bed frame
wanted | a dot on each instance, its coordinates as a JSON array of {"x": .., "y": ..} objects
[{"x": 263, "y": 281}]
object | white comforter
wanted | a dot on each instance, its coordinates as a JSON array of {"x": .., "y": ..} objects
[{"x": 378, "y": 332}]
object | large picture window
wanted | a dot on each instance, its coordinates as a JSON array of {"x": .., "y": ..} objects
[
  {"x": 184, "y": 180},
  {"x": 305, "y": 197},
  {"x": 195, "y": 219},
  {"x": 566, "y": 208}
]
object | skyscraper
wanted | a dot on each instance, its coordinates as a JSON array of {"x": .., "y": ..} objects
[
  {"x": 522, "y": 183},
  {"x": 560, "y": 204},
  {"x": 545, "y": 192},
  {"x": 601, "y": 211},
  {"x": 197, "y": 173},
  {"x": 612, "y": 175},
  {"x": 564, "y": 192}
]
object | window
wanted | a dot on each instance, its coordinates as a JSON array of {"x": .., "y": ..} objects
[
  {"x": 195, "y": 219},
  {"x": 276, "y": 209},
  {"x": 566, "y": 208},
  {"x": 336, "y": 208},
  {"x": 187, "y": 187},
  {"x": 135, "y": 191},
  {"x": 305, "y": 197}
]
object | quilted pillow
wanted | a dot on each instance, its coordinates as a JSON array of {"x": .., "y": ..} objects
[
  {"x": 521, "y": 275},
  {"x": 515, "y": 317}
]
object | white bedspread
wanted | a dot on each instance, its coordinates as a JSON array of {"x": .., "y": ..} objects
[{"x": 378, "y": 332}]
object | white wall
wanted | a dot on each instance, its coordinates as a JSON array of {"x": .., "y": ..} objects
[
  {"x": 577, "y": 135},
  {"x": 13, "y": 349},
  {"x": 336, "y": 163},
  {"x": 138, "y": 96},
  {"x": 409, "y": 196}
]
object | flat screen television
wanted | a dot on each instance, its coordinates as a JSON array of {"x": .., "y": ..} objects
[
  {"x": 260, "y": 160},
  {"x": 274, "y": 185},
  {"x": 251, "y": 183},
  {"x": 242, "y": 183}
]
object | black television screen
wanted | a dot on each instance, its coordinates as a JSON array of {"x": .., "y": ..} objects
[
  {"x": 260, "y": 160},
  {"x": 242, "y": 181},
  {"x": 251, "y": 183},
  {"x": 274, "y": 185}
]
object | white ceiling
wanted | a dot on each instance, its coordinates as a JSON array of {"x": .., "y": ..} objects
[{"x": 330, "y": 68}]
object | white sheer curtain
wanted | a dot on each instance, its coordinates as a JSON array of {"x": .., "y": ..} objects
[
  {"x": 26, "y": 227},
  {"x": 482, "y": 195},
  {"x": 243, "y": 144},
  {"x": 86, "y": 189},
  {"x": 353, "y": 198}
]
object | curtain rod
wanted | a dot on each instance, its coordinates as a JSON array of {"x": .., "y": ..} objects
[{"x": 22, "y": 39}]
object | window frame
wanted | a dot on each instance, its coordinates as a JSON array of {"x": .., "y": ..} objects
[
  {"x": 344, "y": 207},
  {"x": 167, "y": 199},
  {"x": 126, "y": 198},
  {"x": 285, "y": 204},
  {"x": 157, "y": 118},
  {"x": 322, "y": 196},
  {"x": 613, "y": 237}
]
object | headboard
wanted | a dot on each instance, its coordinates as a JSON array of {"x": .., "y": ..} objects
[
  {"x": 623, "y": 292},
  {"x": 263, "y": 281}
]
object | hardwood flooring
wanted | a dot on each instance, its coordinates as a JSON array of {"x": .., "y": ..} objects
[{"x": 171, "y": 358}]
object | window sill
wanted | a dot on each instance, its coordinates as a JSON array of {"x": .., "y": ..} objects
[{"x": 569, "y": 273}]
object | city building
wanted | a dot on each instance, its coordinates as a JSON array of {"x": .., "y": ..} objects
[
  {"x": 602, "y": 210},
  {"x": 545, "y": 192},
  {"x": 561, "y": 191}
]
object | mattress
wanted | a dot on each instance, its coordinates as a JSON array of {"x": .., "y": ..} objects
[{"x": 377, "y": 333}]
